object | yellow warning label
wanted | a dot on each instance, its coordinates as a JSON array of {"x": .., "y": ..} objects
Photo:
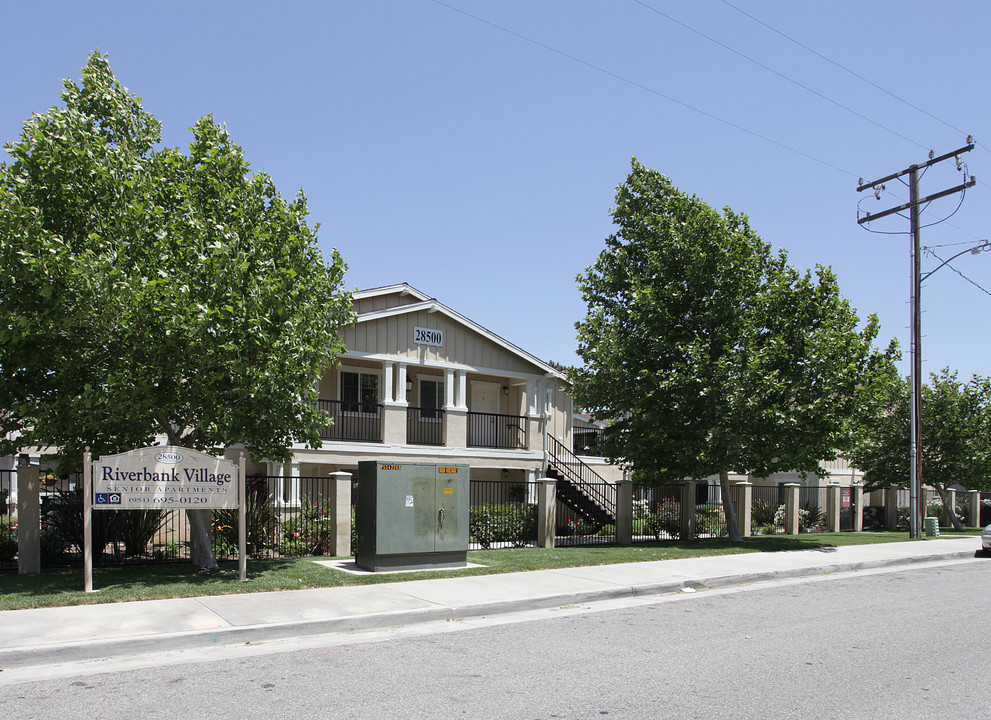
[
  {"x": 390, "y": 467},
  {"x": 448, "y": 491},
  {"x": 446, "y": 471}
]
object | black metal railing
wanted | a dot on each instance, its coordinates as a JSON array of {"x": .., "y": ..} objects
[
  {"x": 8, "y": 518},
  {"x": 424, "y": 426},
  {"x": 502, "y": 514},
  {"x": 492, "y": 430},
  {"x": 354, "y": 421},
  {"x": 585, "y": 441},
  {"x": 588, "y": 484}
]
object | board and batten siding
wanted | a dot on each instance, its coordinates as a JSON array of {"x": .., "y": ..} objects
[
  {"x": 383, "y": 302},
  {"x": 393, "y": 336}
]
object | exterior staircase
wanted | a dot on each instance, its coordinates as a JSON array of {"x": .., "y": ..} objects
[{"x": 579, "y": 487}]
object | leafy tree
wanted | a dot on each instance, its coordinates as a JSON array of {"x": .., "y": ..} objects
[
  {"x": 955, "y": 436},
  {"x": 150, "y": 292},
  {"x": 710, "y": 352}
]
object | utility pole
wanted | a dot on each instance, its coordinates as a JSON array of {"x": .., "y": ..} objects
[{"x": 913, "y": 205}]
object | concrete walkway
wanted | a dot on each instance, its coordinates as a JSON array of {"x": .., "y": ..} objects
[{"x": 68, "y": 634}]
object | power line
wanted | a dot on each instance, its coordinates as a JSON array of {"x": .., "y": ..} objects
[
  {"x": 657, "y": 93},
  {"x": 782, "y": 75},
  {"x": 979, "y": 287},
  {"x": 645, "y": 88},
  {"x": 841, "y": 67},
  {"x": 857, "y": 75}
]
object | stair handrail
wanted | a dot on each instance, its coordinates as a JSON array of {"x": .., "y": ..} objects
[{"x": 564, "y": 459}]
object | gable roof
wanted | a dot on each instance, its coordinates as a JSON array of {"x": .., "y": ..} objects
[{"x": 429, "y": 304}]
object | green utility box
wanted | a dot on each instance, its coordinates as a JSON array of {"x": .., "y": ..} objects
[
  {"x": 932, "y": 527},
  {"x": 411, "y": 516}
]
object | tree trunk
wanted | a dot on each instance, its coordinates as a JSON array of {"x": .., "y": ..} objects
[
  {"x": 728, "y": 510},
  {"x": 201, "y": 547},
  {"x": 950, "y": 510}
]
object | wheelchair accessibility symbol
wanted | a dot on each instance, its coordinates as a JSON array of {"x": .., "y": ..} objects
[{"x": 107, "y": 499}]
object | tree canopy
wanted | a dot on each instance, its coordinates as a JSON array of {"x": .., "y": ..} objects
[
  {"x": 149, "y": 291},
  {"x": 709, "y": 351},
  {"x": 955, "y": 433}
]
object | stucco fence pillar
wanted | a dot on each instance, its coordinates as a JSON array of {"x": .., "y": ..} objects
[
  {"x": 857, "y": 507},
  {"x": 974, "y": 509},
  {"x": 546, "y": 512},
  {"x": 891, "y": 508},
  {"x": 743, "y": 495},
  {"x": 688, "y": 523},
  {"x": 340, "y": 501},
  {"x": 951, "y": 500},
  {"x": 28, "y": 518},
  {"x": 791, "y": 508},
  {"x": 833, "y": 508},
  {"x": 624, "y": 512}
]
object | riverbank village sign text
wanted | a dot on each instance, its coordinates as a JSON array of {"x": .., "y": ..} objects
[{"x": 164, "y": 478}]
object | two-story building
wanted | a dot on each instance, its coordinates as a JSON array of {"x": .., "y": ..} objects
[{"x": 422, "y": 383}]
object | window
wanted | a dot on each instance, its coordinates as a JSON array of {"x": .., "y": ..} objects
[
  {"x": 431, "y": 398},
  {"x": 359, "y": 392}
]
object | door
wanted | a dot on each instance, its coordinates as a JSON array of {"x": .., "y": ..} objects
[
  {"x": 452, "y": 508},
  {"x": 483, "y": 418}
]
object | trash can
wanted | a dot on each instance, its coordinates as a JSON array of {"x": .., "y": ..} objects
[{"x": 932, "y": 527}]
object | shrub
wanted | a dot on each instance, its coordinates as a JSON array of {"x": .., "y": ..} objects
[
  {"x": 137, "y": 528},
  {"x": 260, "y": 518},
  {"x": 578, "y": 527},
  {"x": 811, "y": 518},
  {"x": 764, "y": 512},
  {"x": 309, "y": 533},
  {"x": 874, "y": 517},
  {"x": 62, "y": 527},
  {"x": 709, "y": 520},
  {"x": 169, "y": 551},
  {"x": 514, "y": 523},
  {"x": 8, "y": 543},
  {"x": 666, "y": 518}
]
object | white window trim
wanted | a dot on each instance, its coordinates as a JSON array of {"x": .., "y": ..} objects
[
  {"x": 420, "y": 379},
  {"x": 377, "y": 372}
]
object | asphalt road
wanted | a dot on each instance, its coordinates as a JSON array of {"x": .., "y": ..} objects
[{"x": 906, "y": 643}]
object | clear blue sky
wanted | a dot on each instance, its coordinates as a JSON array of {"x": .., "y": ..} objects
[{"x": 476, "y": 158}]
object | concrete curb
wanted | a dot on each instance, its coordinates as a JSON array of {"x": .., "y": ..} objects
[{"x": 430, "y": 611}]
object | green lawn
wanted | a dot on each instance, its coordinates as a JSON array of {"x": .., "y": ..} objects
[{"x": 149, "y": 582}]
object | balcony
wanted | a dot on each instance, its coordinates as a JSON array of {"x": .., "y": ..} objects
[
  {"x": 491, "y": 430},
  {"x": 363, "y": 422},
  {"x": 353, "y": 421},
  {"x": 585, "y": 441},
  {"x": 424, "y": 426}
]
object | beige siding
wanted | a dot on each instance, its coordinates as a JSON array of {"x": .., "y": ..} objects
[
  {"x": 383, "y": 302},
  {"x": 394, "y": 336}
]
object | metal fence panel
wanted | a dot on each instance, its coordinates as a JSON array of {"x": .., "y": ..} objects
[
  {"x": 656, "y": 512},
  {"x": 767, "y": 513},
  {"x": 503, "y": 514}
]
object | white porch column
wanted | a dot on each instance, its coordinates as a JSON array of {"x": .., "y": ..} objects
[
  {"x": 543, "y": 402},
  {"x": 387, "y": 396},
  {"x": 531, "y": 486},
  {"x": 401, "y": 389},
  {"x": 531, "y": 397},
  {"x": 461, "y": 399},
  {"x": 449, "y": 389},
  {"x": 292, "y": 496},
  {"x": 276, "y": 486}
]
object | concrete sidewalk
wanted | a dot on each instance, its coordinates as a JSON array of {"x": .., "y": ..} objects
[{"x": 69, "y": 634}]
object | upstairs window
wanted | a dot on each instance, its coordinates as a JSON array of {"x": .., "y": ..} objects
[{"x": 359, "y": 392}]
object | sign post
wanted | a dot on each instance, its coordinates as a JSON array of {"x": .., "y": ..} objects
[
  {"x": 242, "y": 522},
  {"x": 87, "y": 522}
]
